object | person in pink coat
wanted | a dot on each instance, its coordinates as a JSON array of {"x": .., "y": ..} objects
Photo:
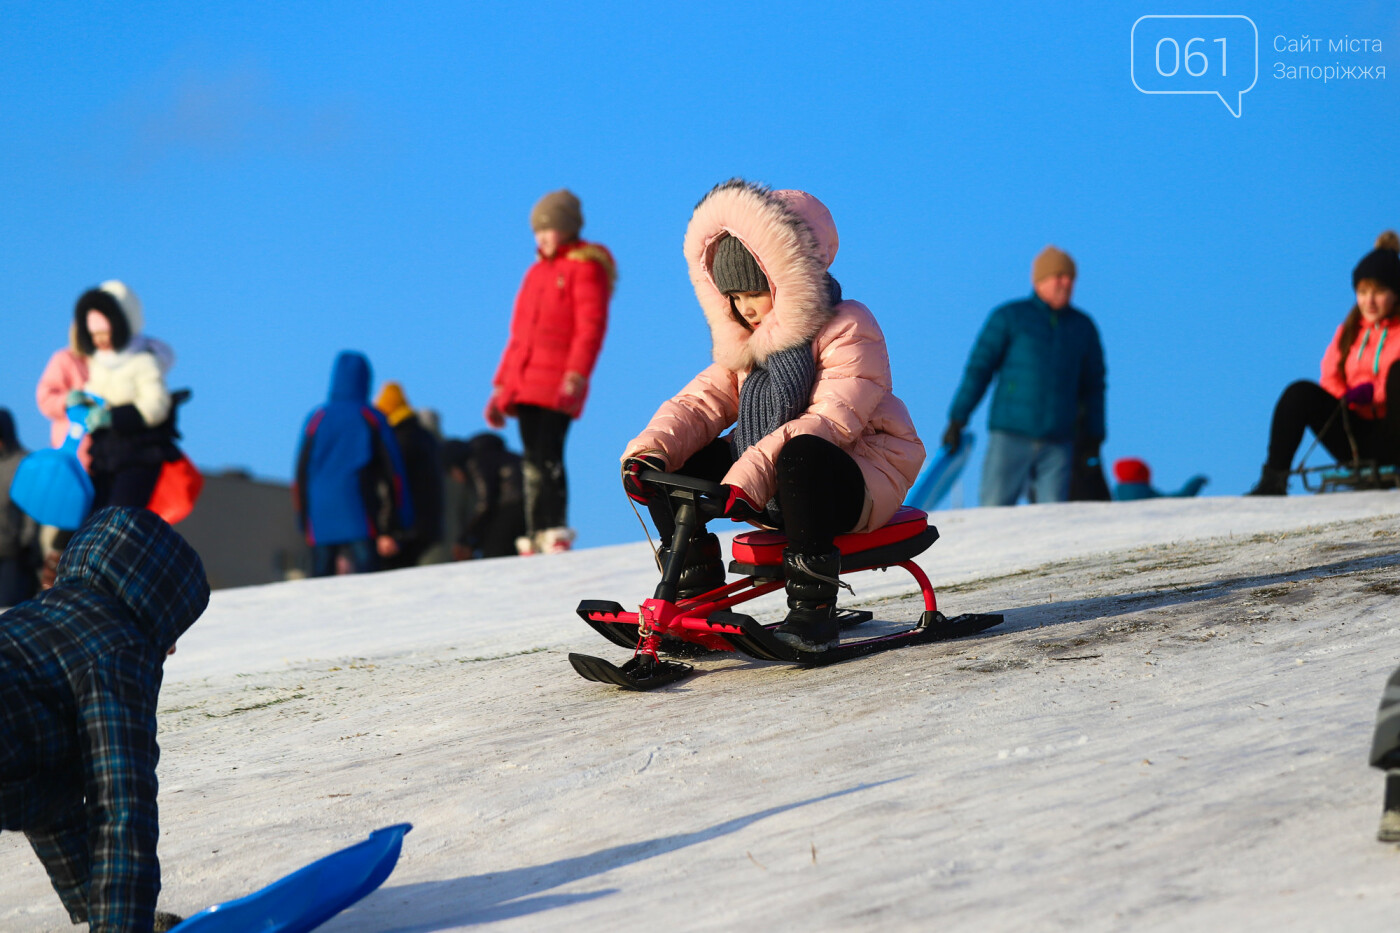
[
  {"x": 820, "y": 445},
  {"x": 1352, "y": 403}
]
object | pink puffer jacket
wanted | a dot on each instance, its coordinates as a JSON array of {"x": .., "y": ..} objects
[
  {"x": 67, "y": 370},
  {"x": 793, "y": 238}
]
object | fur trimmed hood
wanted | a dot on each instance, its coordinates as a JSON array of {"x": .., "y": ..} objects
[{"x": 793, "y": 238}]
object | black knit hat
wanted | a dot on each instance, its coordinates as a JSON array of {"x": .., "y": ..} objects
[
  {"x": 106, "y": 304},
  {"x": 734, "y": 268},
  {"x": 1381, "y": 264}
]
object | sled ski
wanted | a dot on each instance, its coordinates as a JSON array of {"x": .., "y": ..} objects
[
  {"x": 634, "y": 675},
  {"x": 757, "y": 641},
  {"x": 703, "y": 624},
  {"x": 1355, "y": 476}
]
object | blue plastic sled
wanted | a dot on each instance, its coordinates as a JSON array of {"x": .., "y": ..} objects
[
  {"x": 938, "y": 477},
  {"x": 51, "y": 486},
  {"x": 309, "y": 896}
]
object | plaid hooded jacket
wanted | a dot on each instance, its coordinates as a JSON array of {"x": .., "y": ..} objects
[{"x": 80, "y": 669}]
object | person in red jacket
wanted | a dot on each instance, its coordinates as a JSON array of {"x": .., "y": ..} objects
[
  {"x": 1356, "y": 370},
  {"x": 556, "y": 331}
]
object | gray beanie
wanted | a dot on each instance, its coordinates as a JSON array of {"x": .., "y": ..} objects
[{"x": 734, "y": 268}]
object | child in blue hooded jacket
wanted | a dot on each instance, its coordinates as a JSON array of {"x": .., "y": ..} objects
[{"x": 350, "y": 491}]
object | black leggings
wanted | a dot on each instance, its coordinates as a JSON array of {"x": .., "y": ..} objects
[
  {"x": 1308, "y": 405},
  {"x": 821, "y": 492},
  {"x": 542, "y": 432}
]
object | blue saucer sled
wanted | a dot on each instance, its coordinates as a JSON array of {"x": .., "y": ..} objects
[
  {"x": 51, "y": 486},
  {"x": 309, "y": 896},
  {"x": 938, "y": 477}
]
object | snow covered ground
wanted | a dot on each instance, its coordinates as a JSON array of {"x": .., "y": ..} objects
[{"x": 1169, "y": 732}]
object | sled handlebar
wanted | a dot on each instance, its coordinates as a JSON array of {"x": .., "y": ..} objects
[{"x": 708, "y": 497}]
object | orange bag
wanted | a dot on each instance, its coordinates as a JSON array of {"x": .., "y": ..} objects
[{"x": 177, "y": 490}]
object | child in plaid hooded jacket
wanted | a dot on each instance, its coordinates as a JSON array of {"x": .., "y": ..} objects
[{"x": 80, "y": 670}]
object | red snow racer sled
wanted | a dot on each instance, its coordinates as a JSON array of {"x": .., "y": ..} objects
[{"x": 666, "y": 624}]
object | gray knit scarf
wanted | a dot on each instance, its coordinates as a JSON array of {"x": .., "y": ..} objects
[{"x": 776, "y": 391}]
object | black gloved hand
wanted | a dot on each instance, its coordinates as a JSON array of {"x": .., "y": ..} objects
[
  {"x": 952, "y": 436},
  {"x": 739, "y": 507},
  {"x": 632, "y": 468}
]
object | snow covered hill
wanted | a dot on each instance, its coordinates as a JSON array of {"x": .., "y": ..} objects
[{"x": 1169, "y": 732}]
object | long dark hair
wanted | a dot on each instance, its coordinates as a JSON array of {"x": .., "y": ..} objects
[{"x": 1350, "y": 328}]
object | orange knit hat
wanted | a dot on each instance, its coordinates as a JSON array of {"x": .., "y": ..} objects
[{"x": 393, "y": 403}]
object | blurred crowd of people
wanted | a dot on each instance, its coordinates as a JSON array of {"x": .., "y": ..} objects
[{"x": 370, "y": 479}]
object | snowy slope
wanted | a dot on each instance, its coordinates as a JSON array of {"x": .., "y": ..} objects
[{"x": 1169, "y": 732}]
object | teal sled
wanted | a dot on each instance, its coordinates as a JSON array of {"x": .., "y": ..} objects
[{"x": 939, "y": 475}]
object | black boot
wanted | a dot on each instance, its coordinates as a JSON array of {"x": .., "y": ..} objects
[
  {"x": 1272, "y": 482},
  {"x": 166, "y": 922},
  {"x": 1390, "y": 816},
  {"x": 812, "y": 583},
  {"x": 703, "y": 569}
]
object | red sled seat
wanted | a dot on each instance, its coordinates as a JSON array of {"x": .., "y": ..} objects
[{"x": 904, "y": 536}]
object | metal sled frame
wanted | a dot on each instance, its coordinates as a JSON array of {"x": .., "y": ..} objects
[
  {"x": 1355, "y": 474},
  {"x": 668, "y": 624},
  {"x": 758, "y": 555}
]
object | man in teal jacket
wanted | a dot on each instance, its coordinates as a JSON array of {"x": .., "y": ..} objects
[{"x": 1048, "y": 363}]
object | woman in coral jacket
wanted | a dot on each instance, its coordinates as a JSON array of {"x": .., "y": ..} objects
[
  {"x": 1357, "y": 370},
  {"x": 556, "y": 331},
  {"x": 820, "y": 444}
]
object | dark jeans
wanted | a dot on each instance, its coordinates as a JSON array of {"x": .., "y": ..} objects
[
  {"x": 821, "y": 492},
  {"x": 1308, "y": 405},
  {"x": 1385, "y": 745},
  {"x": 131, "y": 486},
  {"x": 542, "y": 432},
  {"x": 363, "y": 557}
]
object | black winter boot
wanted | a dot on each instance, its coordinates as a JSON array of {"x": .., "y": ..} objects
[
  {"x": 1390, "y": 816},
  {"x": 812, "y": 583},
  {"x": 703, "y": 569},
  {"x": 1272, "y": 482},
  {"x": 166, "y": 922}
]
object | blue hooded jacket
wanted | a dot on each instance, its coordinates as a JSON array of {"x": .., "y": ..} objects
[
  {"x": 80, "y": 671},
  {"x": 350, "y": 475},
  {"x": 1049, "y": 368}
]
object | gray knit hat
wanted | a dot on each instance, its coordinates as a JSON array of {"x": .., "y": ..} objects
[
  {"x": 559, "y": 210},
  {"x": 734, "y": 268}
]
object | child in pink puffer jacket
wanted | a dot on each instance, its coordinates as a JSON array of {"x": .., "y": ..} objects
[{"x": 820, "y": 445}]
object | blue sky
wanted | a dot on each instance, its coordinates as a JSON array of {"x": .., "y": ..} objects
[{"x": 281, "y": 183}]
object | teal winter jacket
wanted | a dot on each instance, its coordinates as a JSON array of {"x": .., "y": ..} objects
[{"x": 1049, "y": 369}]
